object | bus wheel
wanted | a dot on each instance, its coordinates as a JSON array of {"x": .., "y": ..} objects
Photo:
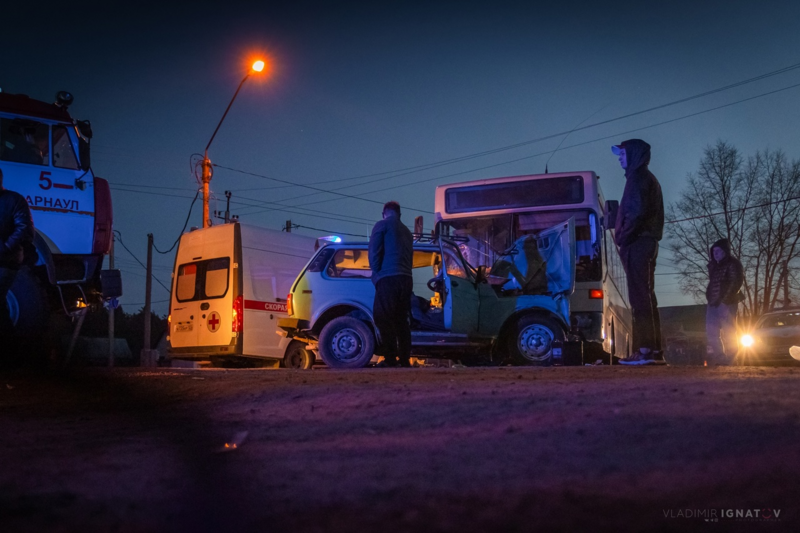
[
  {"x": 27, "y": 303},
  {"x": 531, "y": 342},
  {"x": 346, "y": 342},
  {"x": 297, "y": 357}
]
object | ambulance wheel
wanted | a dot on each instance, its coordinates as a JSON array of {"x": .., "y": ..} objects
[
  {"x": 346, "y": 342},
  {"x": 297, "y": 357},
  {"x": 27, "y": 304},
  {"x": 531, "y": 341}
]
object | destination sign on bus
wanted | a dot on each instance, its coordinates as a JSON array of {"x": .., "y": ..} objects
[{"x": 515, "y": 194}]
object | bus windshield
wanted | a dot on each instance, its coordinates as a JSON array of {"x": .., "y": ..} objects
[{"x": 491, "y": 237}]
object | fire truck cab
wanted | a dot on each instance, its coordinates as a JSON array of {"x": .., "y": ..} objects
[{"x": 44, "y": 156}]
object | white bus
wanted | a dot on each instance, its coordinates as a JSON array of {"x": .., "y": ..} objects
[{"x": 494, "y": 213}]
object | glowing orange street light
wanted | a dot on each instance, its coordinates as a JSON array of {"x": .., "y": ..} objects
[{"x": 258, "y": 66}]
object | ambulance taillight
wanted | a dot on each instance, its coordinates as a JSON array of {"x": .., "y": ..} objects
[
  {"x": 238, "y": 314},
  {"x": 289, "y": 308}
]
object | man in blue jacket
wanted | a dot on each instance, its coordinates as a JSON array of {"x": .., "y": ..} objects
[
  {"x": 639, "y": 226},
  {"x": 391, "y": 250},
  {"x": 16, "y": 231}
]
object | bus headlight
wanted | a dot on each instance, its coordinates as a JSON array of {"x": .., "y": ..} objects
[{"x": 747, "y": 340}]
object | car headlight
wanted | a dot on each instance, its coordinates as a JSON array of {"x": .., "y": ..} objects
[{"x": 747, "y": 340}]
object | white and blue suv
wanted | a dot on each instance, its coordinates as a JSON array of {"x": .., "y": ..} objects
[{"x": 516, "y": 311}]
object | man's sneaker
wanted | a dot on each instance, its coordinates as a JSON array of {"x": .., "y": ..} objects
[{"x": 639, "y": 358}]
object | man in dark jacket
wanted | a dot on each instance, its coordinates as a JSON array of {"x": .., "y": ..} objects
[
  {"x": 725, "y": 278},
  {"x": 639, "y": 226},
  {"x": 16, "y": 232},
  {"x": 391, "y": 250}
]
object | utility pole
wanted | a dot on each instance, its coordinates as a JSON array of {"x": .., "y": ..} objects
[
  {"x": 146, "y": 355},
  {"x": 288, "y": 227},
  {"x": 111, "y": 309},
  {"x": 206, "y": 180}
]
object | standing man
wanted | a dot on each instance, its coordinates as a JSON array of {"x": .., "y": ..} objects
[
  {"x": 391, "y": 249},
  {"x": 639, "y": 227},
  {"x": 725, "y": 278},
  {"x": 16, "y": 232}
]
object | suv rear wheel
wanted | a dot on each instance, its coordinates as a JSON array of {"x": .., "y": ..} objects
[
  {"x": 297, "y": 357},
  {"x": 531, "y": 340},
  {"x": 346, "y": 342}
]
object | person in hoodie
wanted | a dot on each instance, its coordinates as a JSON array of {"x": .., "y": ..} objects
[
  {"x": 391, "y": 251},
  {"x": 639, "y": 226},
  {"x": 725, "y": 278}
]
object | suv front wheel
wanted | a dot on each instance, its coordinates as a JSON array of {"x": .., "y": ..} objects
[
  {"x": 531, "y": 341},
  {"x": 346, "y": 342}
]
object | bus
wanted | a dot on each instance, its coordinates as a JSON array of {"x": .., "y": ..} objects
[{"x": 494, "y": 213}]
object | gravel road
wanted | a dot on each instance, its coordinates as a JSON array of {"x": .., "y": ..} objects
[{"x": 391, "y": 450}]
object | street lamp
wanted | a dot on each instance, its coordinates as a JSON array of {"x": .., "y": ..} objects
[{"x": 258, "y": 66}]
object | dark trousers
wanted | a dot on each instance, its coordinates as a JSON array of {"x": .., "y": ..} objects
[
  {"x": 8, "y": 341},
  {"x": 639, "y": 262},
  {"x": 391, "y": 310}
]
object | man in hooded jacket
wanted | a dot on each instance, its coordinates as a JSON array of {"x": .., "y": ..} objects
[
  {"x": 725, "y": 278},
  {"x": 638, "y": 228}
]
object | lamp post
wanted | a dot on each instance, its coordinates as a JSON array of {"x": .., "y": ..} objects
[{"x": 258, "y": 66}]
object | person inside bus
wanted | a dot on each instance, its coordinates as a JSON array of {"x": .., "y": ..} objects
[
  {"x": 639, "y": 226},
  {"x": 16, "y": 234},
  {"x": 725, "y": 278}
]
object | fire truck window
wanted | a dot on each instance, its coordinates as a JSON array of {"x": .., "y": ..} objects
[
  {"x": 350, "y": 264},
  {"x": 24, "y": 141},
  {"x": 217, "y": 271},
  {"x": 63, "y": 152},
  {"x": 187, "y": 282}
]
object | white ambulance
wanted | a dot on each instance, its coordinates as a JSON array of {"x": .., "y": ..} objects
[{"x": 229, "y": 288}]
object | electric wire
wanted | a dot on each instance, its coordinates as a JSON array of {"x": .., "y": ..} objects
[
  {"x": 119, "y": 238},
  {"x": 182, "y": 230},
  {"x": 427, "y": 166}
]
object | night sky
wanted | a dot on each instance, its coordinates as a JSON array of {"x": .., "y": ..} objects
[{"x": 358, "y": 92}]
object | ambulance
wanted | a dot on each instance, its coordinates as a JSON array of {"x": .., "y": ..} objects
[{"x": 229, "y": 287}]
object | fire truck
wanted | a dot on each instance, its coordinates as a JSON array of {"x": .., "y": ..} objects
[{"x": 44, "y": 156}]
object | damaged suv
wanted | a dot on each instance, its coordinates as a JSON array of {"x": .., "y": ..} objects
[{"x": 515, "y": 311}]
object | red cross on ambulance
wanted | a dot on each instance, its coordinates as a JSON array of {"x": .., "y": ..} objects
[{"x": 213, "y": 322}]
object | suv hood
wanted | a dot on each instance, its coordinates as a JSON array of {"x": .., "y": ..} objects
[{"x": 533, "y": 260}]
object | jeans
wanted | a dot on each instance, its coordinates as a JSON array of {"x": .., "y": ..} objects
[
  {"x": 721, "y": 320},
  {"x": 639, "y": 262},
  {"x": 392, "y": 310}
]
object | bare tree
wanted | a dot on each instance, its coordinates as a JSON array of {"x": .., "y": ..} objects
[{"x": 755, "y": 204}]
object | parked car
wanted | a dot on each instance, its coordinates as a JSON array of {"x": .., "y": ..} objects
[
  {"x": 774, "y": 334},
  {"x": 515, "y": 311}
]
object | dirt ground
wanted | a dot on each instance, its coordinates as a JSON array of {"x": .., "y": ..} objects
[{"x": 391, "y": 450}]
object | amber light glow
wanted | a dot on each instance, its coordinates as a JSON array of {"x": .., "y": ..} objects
[{"x": 258, "y": 66}]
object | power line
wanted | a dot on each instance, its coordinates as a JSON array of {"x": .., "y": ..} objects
[
  {"x": 311, "y": 187},
  {"x": 616, "y": 135},
  {"x": 119, "y": 238},
  {"x": 182, "y": 230},
  {"x": 427, "y": 166}
]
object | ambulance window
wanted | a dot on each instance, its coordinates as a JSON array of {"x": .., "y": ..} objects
[
  {"x": 217, "y": 271},
  {"x": 63, "y": 152},
  {"x": 24, "y": 141},
  {"x": 350, "y": 264},
  {"x": 187, "y": 282}
]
